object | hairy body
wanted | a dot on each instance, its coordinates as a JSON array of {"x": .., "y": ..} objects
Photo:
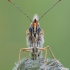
[{"x": 35, "y": 38}]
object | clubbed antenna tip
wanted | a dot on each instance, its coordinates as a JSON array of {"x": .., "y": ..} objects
[
  {"x": 49, "y": 9},
  {"x": 59, "y": 0},
  {"x": 9, "y": 0},
  {"x": 20, "y": 10}
]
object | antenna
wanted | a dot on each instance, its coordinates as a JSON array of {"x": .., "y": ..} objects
[
  {"x": 20, "y": 10},
  {"x": 49, "y": 9}
]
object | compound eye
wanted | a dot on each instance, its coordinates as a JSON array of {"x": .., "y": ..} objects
[
  {"x": 30, "y": 29},
  {"x": 38, "y": 29}
]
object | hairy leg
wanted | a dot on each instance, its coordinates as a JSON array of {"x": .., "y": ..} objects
[
  {"x": 23, "y": 49},
  {"x": 45, "y": 49}
]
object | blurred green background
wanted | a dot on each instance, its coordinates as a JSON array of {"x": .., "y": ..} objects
[{"x": 13, "y": 25}]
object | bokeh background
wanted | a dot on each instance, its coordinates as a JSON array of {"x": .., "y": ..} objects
[{"x": 13, "y": 26}]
